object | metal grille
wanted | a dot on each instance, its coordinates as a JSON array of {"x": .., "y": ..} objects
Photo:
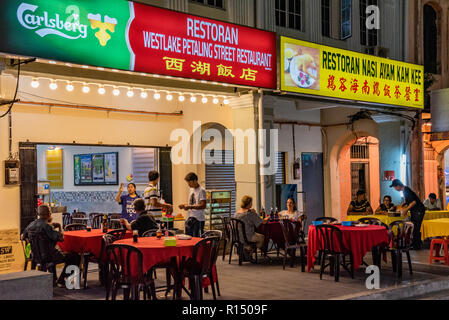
[
  {"x": 359, "y": 151},
  {"x": 221, "y": 176},
  {"x": 359, "y": 178},
  {"x": 280, "y": 176}
]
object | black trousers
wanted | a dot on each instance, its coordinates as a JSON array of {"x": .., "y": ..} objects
[
  {"x": 68, "y": 259},
  {"x": 196, "y": 228},
  {"x": 417, "y": 218}
]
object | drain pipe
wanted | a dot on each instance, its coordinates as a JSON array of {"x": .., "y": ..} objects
[{"x": 260, "y": 151}]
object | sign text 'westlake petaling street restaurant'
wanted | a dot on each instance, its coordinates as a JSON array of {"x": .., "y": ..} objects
[
  {"x": 137, "y": 37},
  {"x": 314, "y": 69}
]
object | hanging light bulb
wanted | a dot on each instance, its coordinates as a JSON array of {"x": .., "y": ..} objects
[
  {"x": 157, "y": 96},
  {"x": 53, "y": 85},
  {"x": 143, "y": 94},
  {"x": 181, "y": 98},
  {"x": 193, "y": 99},
  {"x": 169, "y": 97},
  {"x": 215, "y": 101},
  {"x": 86, "y": 89},
  {"x": 35, "y": 83},
  {"x": 101, "y": 90},
  {"x": 204, "y": 100},
  {"x": 130, "y": 93},
  {"x": 116, "y": 92},
  {"x": 69, "y": 87}
]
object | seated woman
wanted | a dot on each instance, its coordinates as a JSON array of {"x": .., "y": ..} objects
[
  {"x": 386, "y": 206},
  {"x": 360, "y": 206},
  {"x": 292, "y": 212},
  {"x": 251, "y": 220}
]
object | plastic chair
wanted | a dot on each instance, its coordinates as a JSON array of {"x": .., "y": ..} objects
[
  {"x": 152, "y": 233},
  {"x": 66, "y": 219},
  {"x": 214, "y": 257},
  {"x": 401, "y": 238},
  {"x": 200, "y": 265},
  {"x": 371, "y": 221},
  {"x": 293, "y": 242},
  {"x": 121, "y": 276},
  {"x": 326, "y": 220},
  {"x": 225, "y": 222},
  {"x": 43, "y": 253},
  {"x": 114, "y": 220},
  {"x": 438, "y": 243},
  {"x": 79, "y": 217},
  {"x": 239, "y": 239},
  {"x": 333, "y": 248},
  {"x": 75, "y": 227},
  {"x": 96, "y": 221}
]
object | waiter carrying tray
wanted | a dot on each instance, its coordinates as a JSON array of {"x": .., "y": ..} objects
[{"x": 416, "y": 208}]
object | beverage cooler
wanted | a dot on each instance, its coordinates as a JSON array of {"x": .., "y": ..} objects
[{"x": 219, "y": 204}]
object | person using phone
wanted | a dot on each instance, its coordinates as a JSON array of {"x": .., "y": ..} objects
[{"x": 127, "y": 201}]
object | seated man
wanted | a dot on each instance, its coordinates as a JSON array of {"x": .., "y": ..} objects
[
  {"x": 43, "y": 228},
  {"x": 432, "y": 204},
  {"x": 386, "y": 206},
  {"x": 144, "y": 222},
  {"x": 361, "y": 206}
]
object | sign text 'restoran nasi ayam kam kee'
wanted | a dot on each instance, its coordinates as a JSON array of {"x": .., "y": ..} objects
[
  {"x": 325, "y": 71},
  {"x": 137, "y": 37}
]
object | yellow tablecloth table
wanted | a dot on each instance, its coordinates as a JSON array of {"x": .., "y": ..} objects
[
  {"x": 435, "y": 228},
  {"x": 384, "y": 218},
  {"x": 432, "y": 215}
]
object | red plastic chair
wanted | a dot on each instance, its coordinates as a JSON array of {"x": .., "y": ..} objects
[{"x": 438, "y": 243}]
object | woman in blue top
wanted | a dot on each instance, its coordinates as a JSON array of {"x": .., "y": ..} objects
[{"x": 127, "y": 201}]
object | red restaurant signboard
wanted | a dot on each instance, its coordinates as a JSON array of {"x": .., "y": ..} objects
[
  {"x": 132, "y": 36},
  {"x": 176, "y": 44}
]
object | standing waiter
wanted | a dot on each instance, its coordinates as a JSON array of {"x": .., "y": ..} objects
[{"x": 416, "y": 208}]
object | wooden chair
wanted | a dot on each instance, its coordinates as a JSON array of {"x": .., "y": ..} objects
[{"x": 332, "y": 248}]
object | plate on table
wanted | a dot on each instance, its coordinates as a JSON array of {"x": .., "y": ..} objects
[
  {"x": 183, "y": 237},
  {"x": 362, "y": 225}
]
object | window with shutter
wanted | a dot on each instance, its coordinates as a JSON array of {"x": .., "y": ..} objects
[
  {"x": 144, "y": 160},
  {"x": 221, "y": 176}
]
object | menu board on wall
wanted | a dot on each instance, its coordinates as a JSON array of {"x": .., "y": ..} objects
[
  {"x": 96, "y": 169},
  {"x": 11, "y": 251}
]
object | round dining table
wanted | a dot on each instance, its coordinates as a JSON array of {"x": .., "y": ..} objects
[
  {"x": 83, "y": 241},
  {"x": 358, "y": 240},
  {"x": 154, "y": 252},
  {"x": 273, "y": 231}
]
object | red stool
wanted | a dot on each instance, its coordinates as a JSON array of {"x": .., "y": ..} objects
[{"x": 437, "y": 257}]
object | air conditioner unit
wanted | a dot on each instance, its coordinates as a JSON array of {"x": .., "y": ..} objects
[{"x": 378, "y": 51}]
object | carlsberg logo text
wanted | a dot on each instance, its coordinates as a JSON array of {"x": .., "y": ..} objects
[{"x": 47, "y": 24}]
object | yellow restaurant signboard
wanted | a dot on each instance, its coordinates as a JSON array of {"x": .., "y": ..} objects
[{"x": 314, "y": 69}]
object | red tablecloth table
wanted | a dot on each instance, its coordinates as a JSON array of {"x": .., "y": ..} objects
[
  {"x": 358, "y": 240},
  {"x": 154, "y": 252},
  {"x": 82, "y": 241}
]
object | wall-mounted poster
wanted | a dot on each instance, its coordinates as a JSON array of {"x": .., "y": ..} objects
[
  {"x": 86, "y": 169},
  {"x": 110, "y": 165},
  {"x": 98, "y": 168}
]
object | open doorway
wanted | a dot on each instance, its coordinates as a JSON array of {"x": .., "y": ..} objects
[{"x": 86, "y": 178}]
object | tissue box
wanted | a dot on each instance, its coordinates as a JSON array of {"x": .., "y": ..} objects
[{"x": 170, "y": 241}]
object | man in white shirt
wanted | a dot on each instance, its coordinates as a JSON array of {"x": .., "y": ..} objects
[
  {"x": 196, "y": 207},
  {"x": 152, "y": 197},
  {"x": 432, "y": 204}
]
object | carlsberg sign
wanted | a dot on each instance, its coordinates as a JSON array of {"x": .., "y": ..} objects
[{"x": 45, "y": 23}]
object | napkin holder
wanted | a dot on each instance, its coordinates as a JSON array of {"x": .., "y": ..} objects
[{"x": 170, "y": 241}]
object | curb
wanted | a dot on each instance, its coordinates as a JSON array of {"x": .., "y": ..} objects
[{"x": 402, "y": 291}]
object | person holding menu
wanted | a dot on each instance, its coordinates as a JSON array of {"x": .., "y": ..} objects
[{"x": 127, "y": 202}]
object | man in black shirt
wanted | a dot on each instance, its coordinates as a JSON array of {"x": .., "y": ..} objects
[
  {"x": 416, "y": 208},
  {"x": 144, "y": 222},
  {"x": 42, "y": 228}
]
